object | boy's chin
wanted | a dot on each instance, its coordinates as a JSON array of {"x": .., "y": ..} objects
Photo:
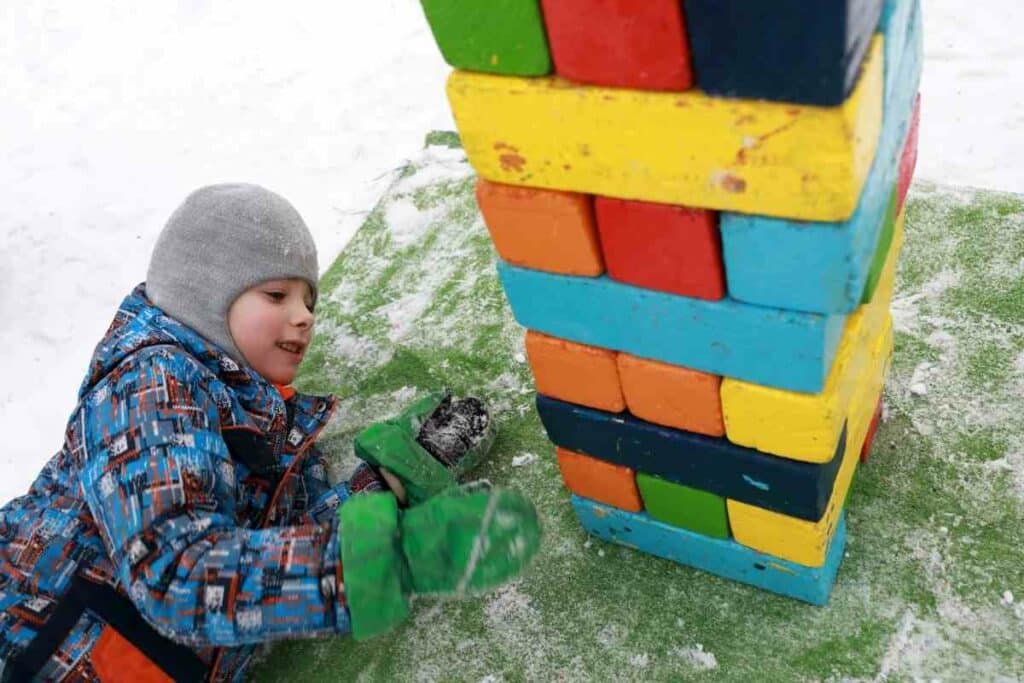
[{"x": 278, "y": 375}]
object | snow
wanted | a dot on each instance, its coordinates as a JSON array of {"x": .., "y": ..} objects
[
  {"x": 524, "y": 459},
  {"x": 112, "y": 112}
]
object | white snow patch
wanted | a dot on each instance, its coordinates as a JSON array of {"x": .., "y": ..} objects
[
  {"x": 403, "y": 313},
  {"x": 404, "y": 395},
  {"x": 524, "y": 459},
  {"x": 696, "y": 657},
  {"x": 640, "y": 661},
  {"x": 406, "y": 223},
  {"x": 507, "y": 607},
  {"x": 897, "y": 644},
  {"x": 905, "y": 309},
  {"x": 353, "y": 348},
  {"x": 435, "y": 164}
]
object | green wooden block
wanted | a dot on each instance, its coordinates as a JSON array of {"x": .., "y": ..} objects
[
  {"x": 495, "y": 36},
  {"x": 882, "y": 250},
  {"x": 683, "y": 506}
]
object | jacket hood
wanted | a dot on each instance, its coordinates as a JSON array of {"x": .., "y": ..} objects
[{"x": 138, "y": 324}]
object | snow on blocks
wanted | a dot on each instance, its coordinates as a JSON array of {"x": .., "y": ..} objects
[{"x": 701, "y": 410}]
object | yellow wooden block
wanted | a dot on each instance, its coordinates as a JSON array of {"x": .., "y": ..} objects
[
  {"x": 799, "y": 540},
  {"x": 753, "y": 156},
  {"x": 803, "y": 426}
]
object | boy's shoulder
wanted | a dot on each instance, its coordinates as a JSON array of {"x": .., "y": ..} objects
[{"x": 157, "y": 366}]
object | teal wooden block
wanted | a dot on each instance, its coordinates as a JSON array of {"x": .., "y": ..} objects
[
  {"x": 724, "y": 558},
  {"x": 494, "y": 36},
  {"x": 822, "y": 267},
  {"x": 785, "y": 349}
]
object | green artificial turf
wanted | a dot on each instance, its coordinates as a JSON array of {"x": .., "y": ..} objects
[{"x": 936, "y": 539}]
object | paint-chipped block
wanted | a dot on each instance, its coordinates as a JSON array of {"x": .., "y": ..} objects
[
  {"x": 690, "y": 149},
  {"x": 908, "y": 159},
  {"x": 497, "y": 36},
  {"x": 683, "y": 506},
  {"x": 576, "y": 373},
  {"x": 663, "y": 247},
  {"x": 721, "y": 557},
  {"x": 785, "y": 349},
  {"x": 876, "y": 419},
  {"x": 543, "y": 229},
  {"x": 822, "y": 266},
  {"x": 619, "y": 43},
  {"x": 806, "y": 426},
  {"x": 790, "y": 487},
  {"x": 787, "y": 50},
  {"x": 800, "y": 540},
  {"x": 672, "y": 395},
  {"x": 598, "y": 480}
]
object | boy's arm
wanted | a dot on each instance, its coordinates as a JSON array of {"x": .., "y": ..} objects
[{"x": 159, "y": 481}]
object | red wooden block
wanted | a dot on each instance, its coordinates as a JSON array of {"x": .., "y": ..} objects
[
  {"x": 660, "y": 246},
  {"x": 620, "y": 43},
  {"x": 908, "y": 159},
  {"x": 866, "y": 448}
]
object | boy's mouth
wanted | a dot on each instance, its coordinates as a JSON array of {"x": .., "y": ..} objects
[{"x": 292, "y": 347}]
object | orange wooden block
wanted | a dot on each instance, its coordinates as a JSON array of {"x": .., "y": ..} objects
[
  {"x": 573, "y": 372},
  {"x": 598, "y": 480},
  {"x": 542, "y": 229},
  {"x": 672, "y": 395}
]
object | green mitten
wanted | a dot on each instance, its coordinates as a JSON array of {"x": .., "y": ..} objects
[
  {"x": 464, "y": 541},
  {"x": 388, "y": 445},
  {"x": 431, "y": 444}
]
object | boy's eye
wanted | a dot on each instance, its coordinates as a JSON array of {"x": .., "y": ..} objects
[{"x": 276, "y": 296}]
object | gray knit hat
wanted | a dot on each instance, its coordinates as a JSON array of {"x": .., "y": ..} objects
[{"x": 220, "y": 242}]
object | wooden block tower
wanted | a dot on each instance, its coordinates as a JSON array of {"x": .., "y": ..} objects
[{"x": 698, "y": 209}]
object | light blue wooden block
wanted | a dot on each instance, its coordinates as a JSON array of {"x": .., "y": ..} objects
[
  {"x": 822, "y": 267},
  {"x": 725, "y": 558},
  {"x": 784, "y": 349},
  {"x": 899, "y": 18}
]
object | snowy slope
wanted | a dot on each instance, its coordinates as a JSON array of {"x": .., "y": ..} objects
[{"x": 112, "y": 112}]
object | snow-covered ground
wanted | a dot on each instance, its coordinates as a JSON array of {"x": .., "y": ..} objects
[{"x": 112, "y": 112}]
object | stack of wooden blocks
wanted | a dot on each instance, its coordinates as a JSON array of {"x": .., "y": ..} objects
[{"x": 698, "y": 207}]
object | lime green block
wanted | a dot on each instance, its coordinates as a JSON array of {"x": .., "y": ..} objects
[
  {"x": 683, "y": 506},
  {"x": 495, "y": 36},
  {"x": 882, "y": 250}
]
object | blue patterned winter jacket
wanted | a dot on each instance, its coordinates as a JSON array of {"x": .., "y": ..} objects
[{"x": 188, "y": 511}]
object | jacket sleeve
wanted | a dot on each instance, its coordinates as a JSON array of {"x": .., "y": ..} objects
[
  {"x": 324, "y": 498},
  {"x": 159, "y": 481}
]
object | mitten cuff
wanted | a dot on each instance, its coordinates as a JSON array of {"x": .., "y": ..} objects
[{"x": 373, "y": 567}]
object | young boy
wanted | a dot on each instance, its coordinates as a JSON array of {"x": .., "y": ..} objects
[{"x": 188, "y": 518}]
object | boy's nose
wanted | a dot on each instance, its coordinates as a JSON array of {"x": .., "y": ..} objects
[{"x": 301, "y": 316}]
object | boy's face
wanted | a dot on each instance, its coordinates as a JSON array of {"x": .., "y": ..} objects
[{"x": 272, "y": 325}]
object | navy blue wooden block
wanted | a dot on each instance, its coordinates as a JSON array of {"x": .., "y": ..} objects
[
  {"x": 806, "y": 51},
  {"x": 790, "y": 487}
]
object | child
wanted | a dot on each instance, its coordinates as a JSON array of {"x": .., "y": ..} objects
[{"x": 188, "y": 518}]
